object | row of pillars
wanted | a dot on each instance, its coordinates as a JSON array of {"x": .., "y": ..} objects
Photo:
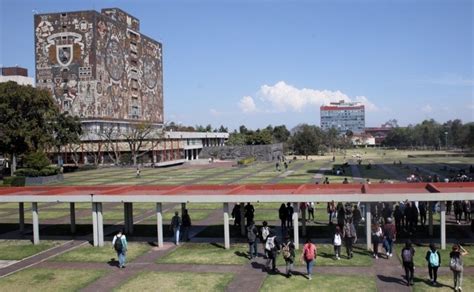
[
  {"x": 98, "y": 222},
  {"x": 191, "y": 154}
]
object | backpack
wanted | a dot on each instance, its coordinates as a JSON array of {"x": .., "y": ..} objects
[
  {"x": 407, "y": 256},
  {"x": 455, "y": 264},
  {"x": 309, "y": 253},
  {"x": 270, "y": 244},
  {"x": 251, "y": 236},
  {"x": 118, "y": 245},
  {"x": 286, "y": 251},
  {"x": 434, "y": 259},
  {"x": 265, "y": 232}
]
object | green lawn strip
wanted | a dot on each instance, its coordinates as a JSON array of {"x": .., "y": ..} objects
[
  {"x": 43, "y": 215},
  {"x": 445, "y": 282},
  {"x": 211, "y": 206},
  {"x": 20, "y": 249},
  {"x": 43, "y": 279},
  {"x": 207, "y": 254},
  {"x": 174, "y": 281},
  {"x": 320, "y": 282},
  {"x": 101, "y": 254},
  {"x": 9, "y": 206},
  {"x": 420, "y": 253}
]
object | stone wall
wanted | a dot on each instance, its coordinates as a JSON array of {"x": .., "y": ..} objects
[
  {"x": 260, "y": 152},
  {"x": 42, "y": 180}
]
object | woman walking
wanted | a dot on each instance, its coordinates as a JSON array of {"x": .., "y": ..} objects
[
  {"x": 309, "y": 256},
  {"x": 433, "y": 258},
  {"x": 456, "y": 265}
]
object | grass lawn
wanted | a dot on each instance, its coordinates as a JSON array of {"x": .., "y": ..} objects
[
  {"x": 20, "y": 249},
  {"x": 420, "y": 253},
  {"x": 319, "y": 283},
  {"x": 446, "y": 284},
  {"x": 49, "y": 280},
  {"x": 167, "y": 281},
  {"x": 103, "y": 254},
  {"x": 207, "y": 253}
]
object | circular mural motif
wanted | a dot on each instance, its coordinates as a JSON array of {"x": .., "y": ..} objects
[
  {"x": 114, "y": 60},
  {"x": 150, "y": 73}
]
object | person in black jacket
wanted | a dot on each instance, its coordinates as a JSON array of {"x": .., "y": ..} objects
[
  {"x": 282, "y": 214},
  {"x": 407, "y": 255},
  {"x": 186, "y": 225},
  {"x": 433, "y": 257},
  {"x": 272, "y": 247}
]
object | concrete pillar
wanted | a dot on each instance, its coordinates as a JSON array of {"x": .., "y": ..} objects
[
  {"x": 72, "y": 210},
  {"x": 159, "y": 224},
  {"x": 21, "y": 209},
  {"x": 296, "y": 237},
  {"x": 130, "y": 218},
  {"x": 100, "y": 224},
  {"x": 443, "y": 224},
  {"x": 34, "y": 209},
  {"x": 242, "y": 219},
  {"x": 197, "y": 153},
  {"x": 430, "y": 219},
  {"x": 226, "y": 226},
  {"x": 95, "y": 232},
  {"x": 303, "y": 221},
  {"x": 368, "y": 226}
]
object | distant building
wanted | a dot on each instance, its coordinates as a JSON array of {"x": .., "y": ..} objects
[
  {"x": 363, "y": 140},
  {"x": 16, "y": 74},
  {"x": 379, "y": 133},
  {"x": 343, "y": 116}
]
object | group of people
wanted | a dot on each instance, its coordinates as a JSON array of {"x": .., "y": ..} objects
[
  {"x": 180, "y": 226},
  {"x": 272, "y": 247},
  {"x": 433, "y": 260}
]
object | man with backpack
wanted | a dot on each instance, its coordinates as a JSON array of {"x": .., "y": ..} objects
[
  {"x": 119, "y": 242},
  {"x": 271, "y": 247},
  {"x": 288, "y": 252},
  {"x": 252, "y": 234},
  {"x": 175, "y": 226},
  {"x": 264, "y": 232},
  {"x": 433, "y": 258},
  {"x": 408, "y": 252}
]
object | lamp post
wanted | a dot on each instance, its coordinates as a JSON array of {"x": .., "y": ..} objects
[{"x": 446, "y": 139}]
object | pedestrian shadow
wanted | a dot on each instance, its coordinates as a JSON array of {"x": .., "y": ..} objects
[
  {"x": 113, "y": 262},
  {"x": 429, "y": 284},
  {"x": 395, "y": 280},
  {"x": 241, "y": 254},
  {"x": 218, "y": 245}
]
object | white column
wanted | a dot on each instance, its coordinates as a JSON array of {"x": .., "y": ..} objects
[
  {"x": 430, "y": 219},
  {"x": 21, "y": 209},
  {"x": 100, "y": 225},
  {"x": 443, "y": 224},
  {"x": 34, "y": 209},
  {"x": 368, "y": 226},
  {"x": 303, "y": 222},
  {"x": 242, "y": 220},
  {"x": 95, "y": 232},
  {"x": 72, "y": 210},
  {"x": 226, "y": 226},
  {"x": 197, "y": 153},
  {"x": 159, "y": 224},
  {"x": 296, "y": 237}
]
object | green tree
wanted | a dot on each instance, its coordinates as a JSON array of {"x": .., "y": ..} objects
[
  {"x": 306, "y": 140},
  {"x": 280, "y": 134},
  {"x": 67, "y": 130},
  {"x": 27, "y": 117}
]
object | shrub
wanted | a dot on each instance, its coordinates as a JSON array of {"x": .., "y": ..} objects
[
  {"x": 14, "y": 181},
  {"x": 36, "y": 160},
  {"x": 30, "y": 172},
  {"x": 246, "y": 161}
]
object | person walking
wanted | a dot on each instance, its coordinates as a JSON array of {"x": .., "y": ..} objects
[
  {"x": 456, "y": 265},
  {"x": 390, "y": 235},
  {"x": 308, "y": 256},
  {"x": 236, "y": 214},
  {"x": 310, "y": 206},
  {"x": 422, "y": 210},
  {"x": 376, "y": 239},
  {"x": 175, "y": 226},
  {"x": 457, "y": 211},
  {"x": 271, "y": 247},
  {"x": 433, "y": 258},
  {"x": 252, "y": 235},
  {"x": 249, "y": 213},
  {"x": 119, "y": 242},
  {"x": 185, "y": 226},
  {"x": 408, "y": 252},
  {"x": 264, "y": 233},
  {"x": 288, "y": 252},
  {"x": 282, "y": 214},
  {"x": 337, "y": 242},
  {"x": 398, "y": 215},
  {"x": 350, "y": 237},
  {"x": 289, "y": 215},
  {"x": 331, "y": 209},
  {"x": 356, "y": 216}
]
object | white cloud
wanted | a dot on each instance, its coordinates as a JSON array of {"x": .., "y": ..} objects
[
  {"x": 427, "y": 109},
  {"x": 247, "y": 104},
  {"x": 283, "y": 97}
]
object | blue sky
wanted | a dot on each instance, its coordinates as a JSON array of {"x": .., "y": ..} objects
[{"x": 275, "y": 62}]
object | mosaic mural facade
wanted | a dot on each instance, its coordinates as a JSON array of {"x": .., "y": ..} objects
[{"x": 98, "y": 66}]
